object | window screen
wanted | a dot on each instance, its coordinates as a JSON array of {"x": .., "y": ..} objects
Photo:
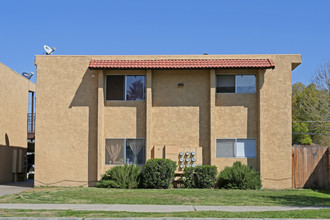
[
  {"x": 226, "y": 84},
  {"x": 225, "y": 148},
  {"x": 246, "y": 83},
  {"x": 135, "y": 151},
  {"x": 239, "y": 148},
  {"x": 246, "y": 148},
  {"x": 115, "y": 87},
  {"x": 114, "y": 151},
  {"x": 135, "y": 88}
]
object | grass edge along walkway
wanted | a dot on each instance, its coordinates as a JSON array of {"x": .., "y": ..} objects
[
  {"x": 213, "y": 197},
  {"x": 154, "y": 208},
  {"x": 311, "y": 214}
]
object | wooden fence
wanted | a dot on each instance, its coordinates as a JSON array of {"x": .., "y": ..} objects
[{"x": 310, "y": 167}]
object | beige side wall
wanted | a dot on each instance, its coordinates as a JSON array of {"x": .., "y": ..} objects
[
  {"x": 66, "y": 122},
  {"x": 180, "y": 116},
  {"x": 275, "y": 123},
  {"x": 14, "y": 96}
]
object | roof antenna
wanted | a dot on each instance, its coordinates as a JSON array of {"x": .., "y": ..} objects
[
  {"x": 27, "y": 75},
  {"x": 49, "y": 50}
]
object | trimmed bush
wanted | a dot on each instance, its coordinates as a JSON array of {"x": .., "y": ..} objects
[
  {"x": 239, "y": 176},
  {"x": 158, "y": 173},
  {"x": 124, "y": 177},
  {"x": 200, "y": 176}
]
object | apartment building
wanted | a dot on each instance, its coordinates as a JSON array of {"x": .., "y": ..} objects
[{"x": 96, "y": 112}]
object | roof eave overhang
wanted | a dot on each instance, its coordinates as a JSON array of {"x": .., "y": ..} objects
[
  {"x": 183, "y": 64},
  {"x": 167, "y": 68}
]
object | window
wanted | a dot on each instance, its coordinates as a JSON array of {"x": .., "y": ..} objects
[
  {"x": 245, "y": 84},
  {"x": 246, "y": 148},
  {"x": 225, "y": 84},
  {"x": 115, "y": 87},
  {"x": 225, "y": 148},
  {"x": 124, "y": 151},
  {"x": 125, "y": 88},
  {"x": 236, "y": 148},
  {"x": 114, "y": 151},
  {"x": 236, "y": 84}
]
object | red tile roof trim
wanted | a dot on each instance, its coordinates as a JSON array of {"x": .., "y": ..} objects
[{"x": 182, "y": 64}]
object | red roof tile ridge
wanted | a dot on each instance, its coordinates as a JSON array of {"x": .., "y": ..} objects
[
  {"x": 179, "y": 59},
  {"x": 183, "y": 63}
]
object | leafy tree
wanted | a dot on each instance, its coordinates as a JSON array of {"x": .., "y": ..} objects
[
  {"x": 297, "y": 98},
  {"x": 310, "y": 104},
  {"x": 300, "y": 135},
  {"x": 299, "y": 130},
  {"x": 321, "y": 80}
]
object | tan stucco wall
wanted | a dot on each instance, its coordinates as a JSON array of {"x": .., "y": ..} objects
[
  {"x": 275, "y": 123},
  {"x": 180, "y": 116},
  {"x": 236, "y": 116},
  {"x": 66, "y": 109},
  {"x": 68, "y": 113},
  {"x": 14, "y": 96},
  {"x": 172, "y": 152},
  {"x": 124, "y": 119}
]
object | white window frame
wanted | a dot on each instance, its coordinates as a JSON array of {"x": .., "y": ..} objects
[
  {"x": 125, "y": 145},
  {"x": 125, "y": 89},
  {"x": 235, "y": 146},
  {"x": 226, "y": 74}
]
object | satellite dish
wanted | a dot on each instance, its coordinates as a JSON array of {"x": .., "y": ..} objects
[
  {"x": 27, "y": 75},
  {"x": 49, "y": 50}
]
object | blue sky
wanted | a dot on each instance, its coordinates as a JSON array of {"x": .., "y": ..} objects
[{"x": 106, "y": 27}]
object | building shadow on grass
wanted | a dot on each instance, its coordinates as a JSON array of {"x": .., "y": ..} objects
[{"x": 302, "y": 200}]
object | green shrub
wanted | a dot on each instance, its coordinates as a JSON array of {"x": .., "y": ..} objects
[
  {"x": 200, "y": 176},
  {"x": 239, "y": 176},
  {"x": 124, "y": 177},
  {"x": 188, "y": 177},
  {"x": 158, "y": 173}
]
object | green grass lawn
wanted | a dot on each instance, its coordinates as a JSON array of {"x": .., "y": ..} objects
[
  {"x": 324, "y": 213},
  {"x": 91, "y": 195}
]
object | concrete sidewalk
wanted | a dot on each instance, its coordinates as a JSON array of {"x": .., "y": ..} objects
[
  {"x": 154, "y": 208},
  {"x": 74, "y": 218},
  {"x": 15, "y": 187}
]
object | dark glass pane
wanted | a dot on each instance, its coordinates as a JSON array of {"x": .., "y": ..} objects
[
  {"x": 226, "y": 89},
  {"x": 114, "y": 151},
  {"x": 115, "y": 87},
  {"x": 135, "y": 88},
  {"x": 226, "y": 84}
]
